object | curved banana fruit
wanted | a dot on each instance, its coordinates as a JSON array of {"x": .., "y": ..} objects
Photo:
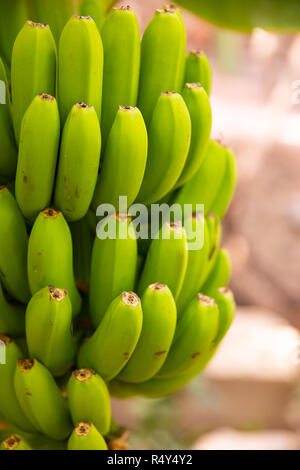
[
  {"x": 113, "y": 268},
  {"x": 166, "y": 260},
  {"x": 41, "y": 400},
  {"x": 15, "y": 442},
  {"x": 163, "y": 50},
  {"x": 219, "y": 275},
  {"x": 198, "y": 69},
  {"x": 13, "y": 248},
  {"x": 49, "y": 330},
  {"x": 124, "y": 159},
  {"x": 8, "y": 149},
  {"x": 121, "y": 64},
  {"x": 35, "y": 175},
  {"x": 89, "y": 399},
  {"x": 80, "y": 65},
  {"x": 199, "y": 108},
  {"x": 33, "y": 69},
  {"x": 78, "y": 162},
  {"x": 159, "y": 323},
  {"x": 86, "y": 437},
  {"x": 12, "y": 18},
  {"x": 50, "y": 256},
  {"x": 9, "y": 405},
  {"x": 227, "y": 187},
  {"x": 12, "y": 317},
  {"x": 83, "y": 240},
  {"x": 169, "y": 143},
  {"x": 112, "y": 344},
  {"x": 96, "y": 9}
]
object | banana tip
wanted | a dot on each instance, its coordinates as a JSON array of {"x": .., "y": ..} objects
[
  {"x": 83, "y": 375},
  {"x": 157, "y": 286},
  {"x": 37, "y": 25},
  {"x": 50, "y": 213},
  {"x": 25, "y": 365},
  {"x": 12, "y": 442},
  {"x": 57, "y": 294},
  {"x": 205, "y": 300},
  {"x": 83, "y": 429},
  {"x": 5, "y": 339},
  {"x": 130, "y": 299}
]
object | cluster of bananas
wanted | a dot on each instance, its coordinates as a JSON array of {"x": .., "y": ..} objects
[{"x": 127, "y": 312}]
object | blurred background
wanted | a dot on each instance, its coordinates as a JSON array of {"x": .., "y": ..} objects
[{"x": 248, "y": 397}]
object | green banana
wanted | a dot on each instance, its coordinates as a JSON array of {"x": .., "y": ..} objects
[
  {"x": 13, "y": 248},
  {"x": 198, "y": 69},
  {"x": 159, "y": 323},
  {"x": 169, "y": 143},
  {"x": 15, "y": 442},
  {"x": 215, "y": 236},
  {"x": 205, "y": 184},
  {"x": 113, "y": 268},
  {"x": 35, "y": 175},
  {"x": 112, "y": 344},
  {"x": 86, "y": 437},
  {"x": 41, "y": 400},
  {"x": 163, "y": 51},
  {"x": 124, "y": 159},
  {"x": 9, "y": 405},
  {"x": 12, "y": 317},
  {"x": 219, "y": 275},
  {"x": 199, "y": 108},
  {"x": 83, "y": 239},
  {"x": 8, "y": 149},
  {"x": 195, "y": 227},
  {"x": 96, "y": 9},
  {"x": 50, "y": 257},
  {"x": 12, "y": 18},
  {"x": 78, "y": 162},
  {"x": 227, "y": 187},
  {"x": 226, "y": 304},
  {"x": 33, "y": 68},
  {"x": 121, "y": 64},
  {"x": 49, "y": 330},
  {"x": 80, "y": 65},
  {"x": 166, "y": 260},
  {"x": 89, "y": 399}
]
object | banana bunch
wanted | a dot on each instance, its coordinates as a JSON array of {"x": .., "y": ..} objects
[{"x": 92, "y": 115}]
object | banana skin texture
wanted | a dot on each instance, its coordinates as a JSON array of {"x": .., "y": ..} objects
[
  {"x": 49, "y": 330},
  {"x": 89, "y": 399},
  {"x": 12, "y": 18},
  {"x": 227, "y": 187},
  {"x": 121, "y": 64},
  {"x": 80, "y": 63},
  {"x": 86, "y": 437},
  {"x": 124, "y": 159},
  {"x": 169, "y": 142},
  {"x": 15, "y": 442},
  {"x": 82, "y": 240},
  {"x": 219, "y": 275},
  {"x": 12, "y": 316},
  {"x": 38, "y": 148},
  {"x": 198, "y": 69},
  {"x": 50, "y": 256},
  {"x": 78, "y": 162},
  {"x": 33, "y": 68},
  {"x": 41, "y": 399},
  {"x": 159, "y": 323},
  {"x": 112, "y": 344},
  {"x": 13, "y": 248},
  {"x": 113, "y": 268},
  {"x": 214, "y": 238},
  {"x": 95, "y": 9}
]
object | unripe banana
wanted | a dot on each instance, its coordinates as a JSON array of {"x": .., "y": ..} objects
[
  {"x": 13, "y": 248},
  {"x": 199, "y": 108},
  {"x": 96, "y": 9},
  {"x": 227, "y": 187},
  {"x": 226, "y": 304},
  {"x": 49, "y": 330},
  {"x": 205, "y": 184},
  {"x": 35, "y": 175},
  {"x": 124, "y": 159},
  {"x": 86, "y": 437},
  {"x": 33, "y": 69},
  {"x": 15, "y": 442},
  {"x": 112, "y": 344},
  {"x": 219, "y": 275},
  {"x": 89, "y": 399},
  {"x": 159, "y": 323},
  {"x": 215, "y": 235},
  {"x": 9, "y": 405},
  {"x": 122, "y": 55},
  {"x": 12, "y": 317},
  {"x": 80, "y": 65},
  {"x": 163, "y": 51},
  {"x": 12, "y": 18},
  {"x": 196, "y": 228},
  {"x": 167, "y": 259},
  {"x": 169, "y": 143},
  {"x": 83, "y": 240},
  {"x": 78, "y": 162},
  {"x": 198, "y": 69},
  {"x": 8, "y": 150},
  {"x": 41, "y": 400},
  {"x": 50, "y": 256},
  {"x": 113, "y": 268},
  {"x": 195, "y": 332}
]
